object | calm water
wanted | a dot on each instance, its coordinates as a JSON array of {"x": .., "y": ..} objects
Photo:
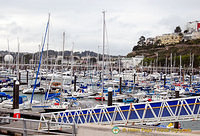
[{"x": 194, "y": 125}]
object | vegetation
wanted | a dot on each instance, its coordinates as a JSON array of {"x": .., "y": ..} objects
[
  {"x": 192, "y": 42},
  {"x": 157, "y": 53},
  {"x": 184, "y": 58},
  {"x": 177, "y": 29},
  {"x": 184, "y": 49},
  {"x": 141, "y": 41}
]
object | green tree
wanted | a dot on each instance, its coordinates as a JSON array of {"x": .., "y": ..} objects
[
  {"x": 141, "y": 41},
  {"x": 186, "y": 31},
  {"x": 158, "y": 42},
  {"x": 27, "y": 58},
  {"x": 177, "y": 29}
]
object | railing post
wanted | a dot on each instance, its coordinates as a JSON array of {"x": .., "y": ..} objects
[
  {"x": 73, "y": 129},
  {"x": 48, "y": 125},
  {"x": 176, "y": 96},
  {"x": 24, "y": 129}
]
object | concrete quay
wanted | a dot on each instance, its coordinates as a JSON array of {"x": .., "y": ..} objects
[{"x": 106, "y": 130}]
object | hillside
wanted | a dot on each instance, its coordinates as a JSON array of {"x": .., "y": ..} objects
[
  {"x": 150, "y": 54},
  {"x": 25, "y": 56}
]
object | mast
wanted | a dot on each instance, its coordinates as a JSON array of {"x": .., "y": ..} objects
[
  {"x": 192, "y": 65},
  {"x": 119, "y": 65},
  {"x": 180, "y": 68},
  {"x": 98, "y": 60},
  {"x": 47, "y": 59},
  {"x": 175, "y": 62},
  {"x": 166, "y": 65},
  {"x": 62, "y": 60},
  {"x": 8, "y": 47},
  {"x": 157, "y": 62},
  {"x": 18, "y": 60},
  {"x": 47, "y": 26},
  {"x": 104, "y": 23},
  {"x": 72, "y": 60},
  {"x": 171, "y": 62},
  {"x": 9, "y": 56},
  {"x": 47, "y": 62},
  {"x": 72, "y": 66}
]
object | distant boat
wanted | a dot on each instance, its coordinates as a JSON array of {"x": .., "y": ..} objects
[{"x": 23, "y": 103}]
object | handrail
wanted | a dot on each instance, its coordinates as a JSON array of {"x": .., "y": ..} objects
[
  {"x": 25, "y": 129},
  {"x": 171, "y": 110}
]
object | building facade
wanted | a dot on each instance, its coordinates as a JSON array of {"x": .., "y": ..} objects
[
  {"x": 167, "y": 39},
  {"x": 131, "y": 62},
  {"x": 193, "y": 26}
]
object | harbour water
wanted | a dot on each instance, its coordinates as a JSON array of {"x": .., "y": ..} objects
[{"x": 152, "y": 87}]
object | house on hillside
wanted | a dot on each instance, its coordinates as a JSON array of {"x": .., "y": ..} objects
[
  {"x": 192, "y": 31},
  {"x": 150, "y": 41},
  {"x": 168, "y": 39},
  {"x": 131, "y": 62}
]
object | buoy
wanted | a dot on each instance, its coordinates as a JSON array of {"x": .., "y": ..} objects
[
  {"x": 149, "y": 100},
  {"x": 16, "y": 113},
  {"x": 170, "y": 125},
  {"x": 56, "y": 103}
]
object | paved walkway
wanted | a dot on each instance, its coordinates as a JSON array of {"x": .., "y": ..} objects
[{"x": 106, "y": 130}]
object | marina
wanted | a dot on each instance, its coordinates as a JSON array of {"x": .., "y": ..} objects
[
  {"x": 61, "y": 100},
  {"x": 59, "y": 89},
  {"x": 141, "y": 98}
]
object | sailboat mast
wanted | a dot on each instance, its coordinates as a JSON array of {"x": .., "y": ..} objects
[
  {"x": 180, "y": 68},
  {"x": 62, "y": 60},
  {"x": 9, "y": 56},
  {"x": 171, "y": 62},
  {"x": 72, "y": 66},
  {"x": 104, "y": 23},
  {"x": 18, "y": 60},
  {"x": 98, "y": 60},
  {"x": 48, "y": 44},
  {"x": 47, "y": 59},
  {"x": 47, "y": 26}
]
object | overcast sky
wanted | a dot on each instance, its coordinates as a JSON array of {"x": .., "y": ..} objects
[{"x": 81, "y": 20}]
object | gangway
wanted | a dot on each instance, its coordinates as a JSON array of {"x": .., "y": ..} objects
[{"x": 170, "y": 110}]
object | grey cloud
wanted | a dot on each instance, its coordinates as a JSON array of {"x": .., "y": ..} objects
[{"x": 82, "y": 21}]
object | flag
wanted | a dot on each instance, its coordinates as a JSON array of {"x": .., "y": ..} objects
[{"x": 198, "y": 26}]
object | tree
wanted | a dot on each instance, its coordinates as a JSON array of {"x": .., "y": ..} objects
[
  {"x": 181, "y": 36},
  {"x": 186, "y": 31},
  {"x": 141, "y": 41},
  {"x": 142, "y": 38},
  {"x": 27, "y": 58},
  {"x": 93, "y": 60},
  {"x": 177, "y": 29},
  {"x": 158, "y": 42}
]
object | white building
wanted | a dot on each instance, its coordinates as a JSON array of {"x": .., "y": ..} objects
[
  {"x": 131, "y": 62},
  {"x": 193, "y": 26}
]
